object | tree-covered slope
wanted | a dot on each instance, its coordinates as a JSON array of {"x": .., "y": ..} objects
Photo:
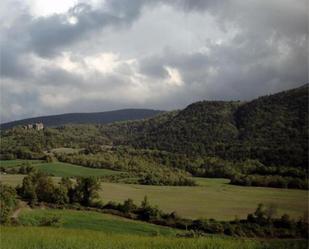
[
  {"x": 272, "y": 129},
  {"x": 198, "y": 129}
]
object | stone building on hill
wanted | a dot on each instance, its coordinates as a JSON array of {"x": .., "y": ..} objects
[{"x": 36, "y": 126}]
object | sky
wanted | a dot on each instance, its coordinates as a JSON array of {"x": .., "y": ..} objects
[{"x": 61, "y": 56}]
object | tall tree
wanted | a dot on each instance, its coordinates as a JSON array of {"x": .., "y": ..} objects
[{"x": 87, "y": 189}]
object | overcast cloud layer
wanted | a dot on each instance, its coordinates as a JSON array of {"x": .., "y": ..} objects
[{"x": 73, "y": 56}]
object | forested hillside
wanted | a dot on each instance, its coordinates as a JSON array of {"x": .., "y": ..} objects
[
  {"x": 272, "y": 129},
  {"x": 202, "y": 128}
]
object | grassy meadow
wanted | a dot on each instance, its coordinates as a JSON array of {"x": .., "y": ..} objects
[
  {"x": 13, "y": 180},
  {"x": 17, "y": 163},
  {"x": 94, "y": 221},
  {"x": 213, "y": 198},
  {"x": 62, "y": 238}
]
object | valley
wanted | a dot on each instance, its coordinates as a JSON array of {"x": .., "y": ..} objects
[
  {"x": 218, "y": 173},
  {"x": 211, "y": 198}
]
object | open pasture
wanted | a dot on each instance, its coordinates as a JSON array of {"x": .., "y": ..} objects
[
  {"x": 94, "y": 221},
  {"x": 214, "y": 198}
]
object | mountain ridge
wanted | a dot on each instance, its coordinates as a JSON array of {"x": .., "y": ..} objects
[{"x": 85, "y": 118}]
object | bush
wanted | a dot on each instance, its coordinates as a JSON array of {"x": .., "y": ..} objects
[
  {"x": 128, "y": 206},
  {"x": 50, "y": 221},
  {"x": 8, "y": 202}
]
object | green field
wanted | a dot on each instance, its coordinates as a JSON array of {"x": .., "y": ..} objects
[
  {"x": 62, "y": 238},
  {"x": 94, "y": 221},
  {"x": 17, "y": 163},
  {"x": 12, "y": 180},
  {"x": 214, "y": 198},
  {"x": 60, "y": 169}
]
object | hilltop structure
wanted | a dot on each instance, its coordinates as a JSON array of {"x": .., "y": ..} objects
[{"x": 36, "y": 126}]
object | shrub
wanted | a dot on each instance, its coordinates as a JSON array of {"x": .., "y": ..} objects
[
  {"x": 50, "y": 221},
  {"x": 8, "y": 202}
]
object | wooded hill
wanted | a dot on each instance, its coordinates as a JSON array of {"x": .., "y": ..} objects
[{"x": 272, "y": 129}]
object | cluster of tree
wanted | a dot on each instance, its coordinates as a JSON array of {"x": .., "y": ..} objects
[
  {"x": 8, "y": 202},
  {"x": 147, "y": 168},
  {"x": 30, "y": 144},
  {"x": 102, "y": 160},
  {"x": 273, "y": 181},
  {"x": 19, "y": 152},
  {"x": 23, "y": 170},
  {"x": 38, "y": 187},
  {"x": 168, "y": 178},
  {"x": 256, "y": 225},
  {"x": 144, "y": 212},
  {"x": 255, "y": 167},
  {"x": 17, "y": 170},
  {"x": 253, "y": 173}
]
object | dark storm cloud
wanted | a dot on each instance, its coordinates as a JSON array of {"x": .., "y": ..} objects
[
  {"x": 49, "y": 34},
  {"x": 10, "y": 66},
  {"x": 59, "y": 77},
  {"x": 252, "y": 48}
]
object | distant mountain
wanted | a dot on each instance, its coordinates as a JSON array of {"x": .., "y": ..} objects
[{"x": 85, "y": 118}]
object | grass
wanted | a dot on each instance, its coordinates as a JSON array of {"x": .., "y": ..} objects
[
  {"x": 67, "y": 169},
  {"x": 214, "y": 198},
  {"x": 60, "y": 169},
  {"x": 16, "y": 163},
  {"x": 95, "y": 221},
  {"x": 61, "y": 238},
  {"x": 12, "y": 180}
]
